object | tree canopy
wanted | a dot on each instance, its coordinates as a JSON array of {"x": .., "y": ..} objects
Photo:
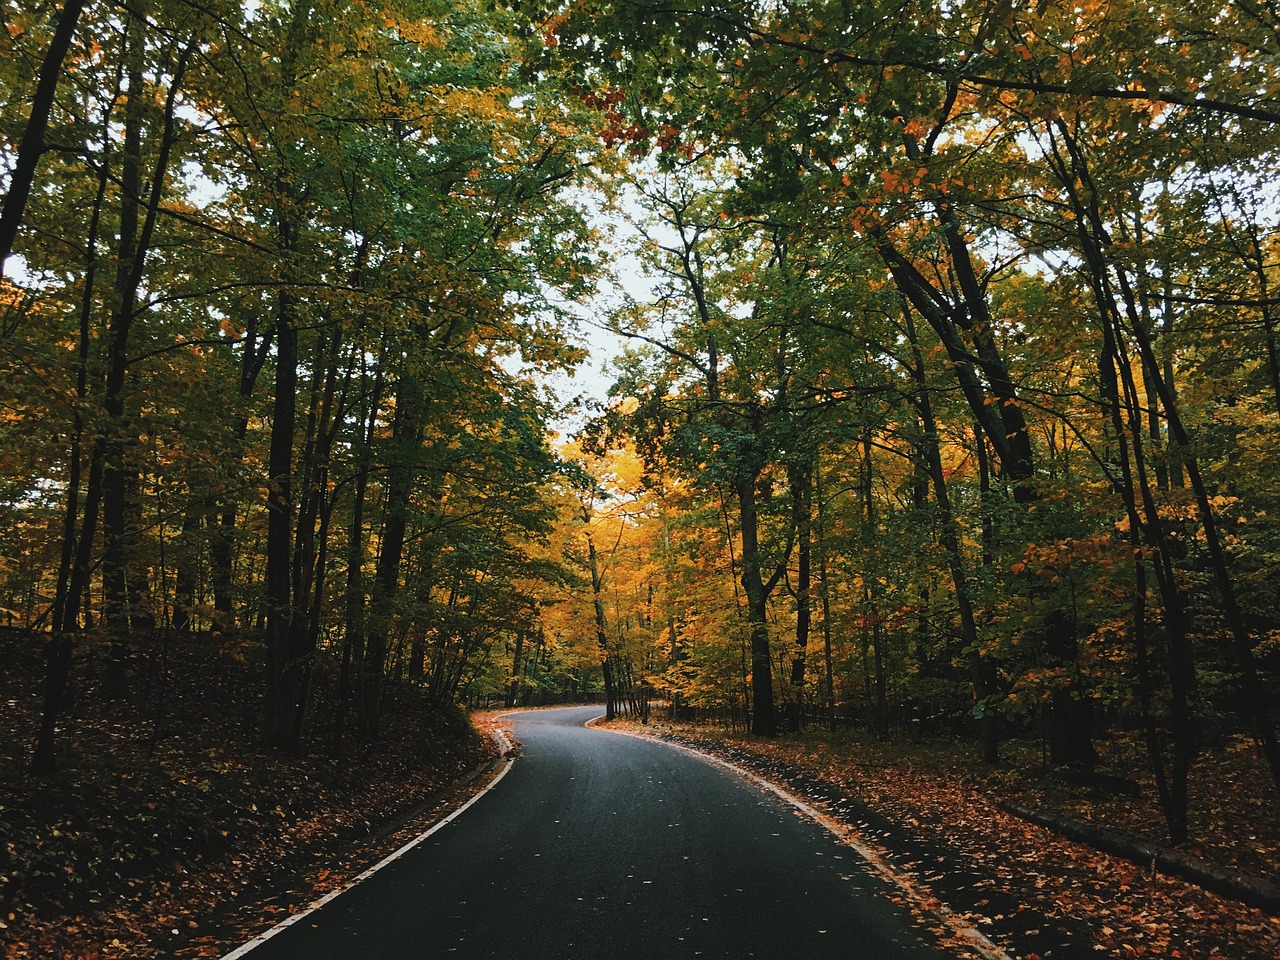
[{"x": 953, "y": 397}]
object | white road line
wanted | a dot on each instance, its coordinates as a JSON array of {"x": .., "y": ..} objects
[{"x": 504, "y": 745}]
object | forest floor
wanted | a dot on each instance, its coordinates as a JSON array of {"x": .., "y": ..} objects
[
  {"x": 168, "y": 831},
  {"x": 931, "y": 812}
]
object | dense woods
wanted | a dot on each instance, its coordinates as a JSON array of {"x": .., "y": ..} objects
[
  {"x": 957, "y": 393},
  {"x": 951, "y": 403},
  {"x": 273, "y": 325}
]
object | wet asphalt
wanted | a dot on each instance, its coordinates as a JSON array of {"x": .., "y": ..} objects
[{"x": 599, "y": 845}]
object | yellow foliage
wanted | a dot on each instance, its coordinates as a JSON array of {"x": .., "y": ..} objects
[{"x": 420, "y": 32}]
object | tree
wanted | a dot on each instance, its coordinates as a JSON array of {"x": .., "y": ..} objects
[
  {"x": 320, "y": 258},
  {"x": 32, "y": 142}
]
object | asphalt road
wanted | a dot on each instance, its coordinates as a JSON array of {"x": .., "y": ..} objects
[{"x": 598, "y": 845}]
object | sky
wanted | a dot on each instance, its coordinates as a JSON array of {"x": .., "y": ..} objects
[{"x": 594, "y": 376}]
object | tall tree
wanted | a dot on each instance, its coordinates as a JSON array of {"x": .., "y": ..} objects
[{"x": 31, "y": 144}]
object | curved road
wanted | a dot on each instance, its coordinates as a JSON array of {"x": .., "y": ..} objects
[{"x": 597, "y": 845}]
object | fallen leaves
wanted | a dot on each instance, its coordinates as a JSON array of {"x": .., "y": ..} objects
[{"x": 128, "y": 851}]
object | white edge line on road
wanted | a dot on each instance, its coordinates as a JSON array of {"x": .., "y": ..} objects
[
  {"x": 848, "y": 836},
  {"x": 504, "y": 746}
]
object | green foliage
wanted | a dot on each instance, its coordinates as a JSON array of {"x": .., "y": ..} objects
[
  {"x": 1070, "y": 203},
  {"x": 375, "y": 189},
  {"x": 966, "y": 310}
]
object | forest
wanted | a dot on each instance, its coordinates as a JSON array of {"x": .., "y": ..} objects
[{"x": 948, "y": 406}]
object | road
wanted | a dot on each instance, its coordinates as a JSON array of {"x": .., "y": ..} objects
[{"x": 600, "y": 845}]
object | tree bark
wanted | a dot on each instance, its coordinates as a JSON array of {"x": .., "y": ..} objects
[
  {"x": 513, "y": 691},
  {"x": 764, "y": 721},
  {"x": 356, "y": 601},
  {"x": 222, "y": 508},
  {"x": 980, "y": 670},
  {"x": 186, "y": 576},
  {"x": 1120, "y": 395},
  {"x": 31, "y": 146},
  {"x": 130, "y": 255},
  {"x": 286, "y": 689},
  {"x": 602, "y": 633},
  {"x": 407, "y": 432},
  {"x": 801, "y": 483},
  {"x": 77, "y": 533},
  {"x": 824, "y": 587},
  {"x": 966, "y": 313},
  {"x": 871, "y": 596},
  {"x": 284, "y": 675}
]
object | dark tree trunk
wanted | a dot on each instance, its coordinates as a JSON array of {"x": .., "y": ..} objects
[
  {"x": 311, "y": 538},
  {"x": 602, "y": 634},
  {"x": 135, "y": 245},
  {"x": 1155, "y": 429},
  {"x": 31, "y": 146},
  {"x": 77, "y": 534},
  {"x": 764, "y": 721},
  {"x": 801, "y": 482},
  {"x": 992, "y": 397},
  {"x": 287, "y": 675},
  {"x": 130, "y": 254},
  {"x": 222, "y": 509},
  {"x": 514, "y": 690},
  {"x": 1181, "y": 664},
  {"x": 283, "y": 674},
  {"x": 870, "y": 596},
  {"x": 824, "y": 588},
  {"x": 980, "y": 670},
  {"x": 1121, "y": 398},
  {"x": 401, "y": 472},
  {"x": 187, "y": 575},
  {"x": 356, "y": 606}
]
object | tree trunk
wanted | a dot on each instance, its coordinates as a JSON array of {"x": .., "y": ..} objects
[
  {"x": 602, "y": 634},
  {"x": 514, "y": 690},
  {"x": 824, "y": 588},
  {"x": 1155, "y": 430},
  {"x": 77, "y": 534},
  {"x": 286, "y": 673},
  {"x": 283, "y": 675},
  {"x": 31, "y": 146},
  {"x": 993, "y": 397},
  {"x": 801, "y": 482},
  {"x": 186, "y": 576},
  {"x": 130, "y": 256},
  {"x": 980, "y": 671},
  {"x": 407, "y": 431},
  {"x": 222, "y": 508},
  {"x": 356, "y": 605},
  {"x": 1121, "y": 398},
  {"x": 870, "y": 594},
  {"x": 1182, "y": 673},
  {"x": 326, "y": 411},
  {"x": 764, "y": 721}
]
